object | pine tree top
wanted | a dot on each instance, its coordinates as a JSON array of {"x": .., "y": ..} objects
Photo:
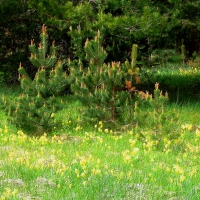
[{"x": 44, "y": 30}]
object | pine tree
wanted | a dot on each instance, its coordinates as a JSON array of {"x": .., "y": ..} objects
[
  {"x": 151, "y": 114},
  {"x": 100, "y": 86},
  {"x": 35, "y": 107}
]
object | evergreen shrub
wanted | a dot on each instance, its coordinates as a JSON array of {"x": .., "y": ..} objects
[
  {"x": 34, "y": 108},
  {"x": 103, "y": 88},
  {"x": 153, "y": 119}
]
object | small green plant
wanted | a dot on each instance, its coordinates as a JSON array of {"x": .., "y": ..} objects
[
  {"x": 150, "y": 114},
  {"x": 133, "y": 78},
  {"x": 36, "y": 105}
]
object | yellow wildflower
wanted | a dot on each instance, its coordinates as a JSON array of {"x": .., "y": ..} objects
[
  {"x": 178, "y": 169},
  {"x": 84, "y": 183},
  {"x": 182, "y": 178},
  {"x": 197, "y": 133},
  {"x": 132, "y": 142},
  {"x": 106, "y": 130},
  {"x": 135, "y": 151}
]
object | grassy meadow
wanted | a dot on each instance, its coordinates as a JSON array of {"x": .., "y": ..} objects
[{"x": 79, "y": 161}]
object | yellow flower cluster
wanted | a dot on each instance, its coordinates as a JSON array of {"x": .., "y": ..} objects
[
  {"x": 187, "y": 127},
  {"x": 100, "y": 128},
  {"x": 128, "y": 155},
  {"x": 8, "y": 193}
]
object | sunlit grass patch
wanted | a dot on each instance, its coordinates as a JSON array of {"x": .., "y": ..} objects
[
  {"x": 97, "y": 165},
  {"x": 78, "y": 160}
]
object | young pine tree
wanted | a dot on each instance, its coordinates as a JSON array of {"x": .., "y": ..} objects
[
  {"x": 100, "y": 86},
  {"x": 156, "y": 121},
  {"x": 35, "y": 107}
]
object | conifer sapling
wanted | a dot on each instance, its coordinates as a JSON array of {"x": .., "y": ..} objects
[
  {"x": 37, "y": 104},
  {"x": 99, "y": 86}
]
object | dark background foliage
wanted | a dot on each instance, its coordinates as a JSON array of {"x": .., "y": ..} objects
[{"x": 152, "y": 24}]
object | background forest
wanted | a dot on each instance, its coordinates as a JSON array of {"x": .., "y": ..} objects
[{"x": 165, "y": 31}]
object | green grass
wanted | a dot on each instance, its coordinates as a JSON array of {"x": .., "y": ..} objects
[{"x": 83, "y": 161}]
